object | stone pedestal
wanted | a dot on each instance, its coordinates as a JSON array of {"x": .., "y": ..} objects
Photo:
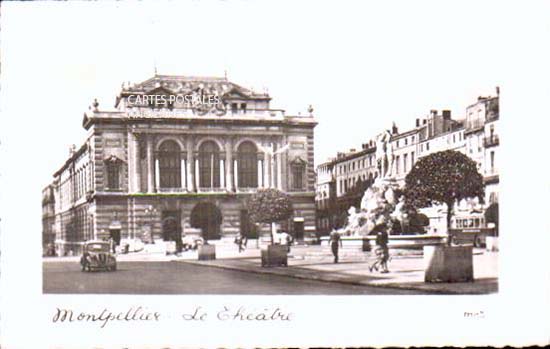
[
  {"x": 207, "y": 252},
  {"x": 448, "y": 264},
  {"x": 491, "y": 243},
  {"x": 274, "y": 256}
]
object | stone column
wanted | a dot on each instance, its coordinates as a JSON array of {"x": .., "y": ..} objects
[
  {"x": 150, "y": 166},
  {"x": 236, "y": 174},
  {"x": 229, "y": 163},
  {"x": 137, "y": 163},
  {"x": 157, "y": 175},
  {"x": 189, "y": 167},
  {"x": 222, "y": 174},
  {"x": 267, "y": 171},
  {"x": 279, "y": 171},
  {"x": 131, "y": 163},
  {"x": 182, "y": 173},
  {"x": 197, "y": 174},
  {"x": 260, "y": 174}
]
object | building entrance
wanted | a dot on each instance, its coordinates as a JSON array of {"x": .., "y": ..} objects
[
  {"x": 171, "y": 225},
  {"x": 207, "y": 217},
  {"x": 298, "y": 229}
]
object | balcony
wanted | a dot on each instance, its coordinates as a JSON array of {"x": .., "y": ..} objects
[
  {"x": 491, "y": 141},
  {"x": 211, "y": 190},
  {"x": 171, "y": 190}
]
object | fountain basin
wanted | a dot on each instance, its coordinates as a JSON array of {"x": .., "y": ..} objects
[{"x": 395, "y": 241}]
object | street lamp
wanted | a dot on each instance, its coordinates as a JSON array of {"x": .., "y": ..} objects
[{"x": 150, "y": 210}]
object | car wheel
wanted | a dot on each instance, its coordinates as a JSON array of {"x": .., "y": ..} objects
[
  {"x": 478, "y": 242},
  {"x": 454, "y": 241}
]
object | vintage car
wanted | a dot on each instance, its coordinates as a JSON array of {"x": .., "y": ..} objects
[
  {"x": 97, "y": 256},
  {"x": 191, "y": 242}
]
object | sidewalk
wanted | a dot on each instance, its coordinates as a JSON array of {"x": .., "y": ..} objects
[{"x": 406, "y": 270}]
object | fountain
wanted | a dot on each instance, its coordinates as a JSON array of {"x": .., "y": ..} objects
[{"x": 379, "y": 204}]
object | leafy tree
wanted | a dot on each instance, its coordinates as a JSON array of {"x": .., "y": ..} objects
[
  {"x": 269, "y": 206},
  {"x": 443, "y": 178}
]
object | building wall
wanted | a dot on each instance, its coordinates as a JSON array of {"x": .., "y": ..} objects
[
  {"x": 476, "y": 136},
  {"x": 87, "y": 206}
]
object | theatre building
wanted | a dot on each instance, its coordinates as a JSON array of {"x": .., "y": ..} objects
[{"x": 181, "y": 155}]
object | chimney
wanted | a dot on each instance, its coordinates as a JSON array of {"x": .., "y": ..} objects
[
  {"x": 446, "y": 114},
  {"x": 498, "y": 91},
  {"x": 352, "y": 150},
  {"x": 394, "y": 128},
  {"x": 433, "y": 112},
  {"x": 364, "y": 146},
  {"x": 417, "y": 122}
]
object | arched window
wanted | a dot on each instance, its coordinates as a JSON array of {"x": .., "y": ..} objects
[
  {"x": 209, "y": 165},
  {"x": 247, "y": 165},
  {"x": 170, "y": 165}
]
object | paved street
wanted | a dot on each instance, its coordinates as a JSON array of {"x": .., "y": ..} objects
[{"x": 185, "y": 278}]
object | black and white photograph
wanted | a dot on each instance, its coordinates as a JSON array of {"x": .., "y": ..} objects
[{"x": 311, "y": 169}]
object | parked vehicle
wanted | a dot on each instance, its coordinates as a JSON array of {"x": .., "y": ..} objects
[
  {"x": 97, "y": 255},
  {"x": 470, "y": 229},
  {"x": 191, "y": 242}
]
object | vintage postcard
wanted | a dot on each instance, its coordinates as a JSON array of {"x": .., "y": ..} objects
[{"x": 272, "y": 174}]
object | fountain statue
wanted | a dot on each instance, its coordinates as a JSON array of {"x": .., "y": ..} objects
[{"x": 379, "y": 204}]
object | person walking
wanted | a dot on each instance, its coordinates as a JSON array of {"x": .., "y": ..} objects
[
  {"x": 381, "y": 251},
  {"x": 335, "y": 241}
]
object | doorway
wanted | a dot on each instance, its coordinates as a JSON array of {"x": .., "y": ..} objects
[
  {"x": 298, "y": 229},
  {"x": 207, "y": 217}
]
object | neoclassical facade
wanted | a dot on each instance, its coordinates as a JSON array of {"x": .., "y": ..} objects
[{"x": 176, "y": 150}]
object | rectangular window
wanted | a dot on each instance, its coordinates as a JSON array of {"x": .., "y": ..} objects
[
  {"x": 428, "y": 146},
  {"x": 412, "y": 158},
  {"x": 406, "y": 141},
  {"x": 113, "y": 176},
  {"x": 397, "y": 164},
  {"x": 492, "y": 161},
  {"x": 405, "y": 162},
  {"x": 297, "y": 177}
]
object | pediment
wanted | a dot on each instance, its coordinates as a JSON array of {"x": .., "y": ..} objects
[
  {"x": 235, "y": 93},
  {"x": 161, "y": 90},
  {"x": 298, "y": 161}
]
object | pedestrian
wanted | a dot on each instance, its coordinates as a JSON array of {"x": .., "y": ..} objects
[
  {"x": 381, "y": 251},
  {"x": 112, "y": 244},
  {"x": 244, "y": 241},
  {"x": 241, "y": 241},
  {"x": 335, "y": 241},
  {"x": 285, "y": 239}
]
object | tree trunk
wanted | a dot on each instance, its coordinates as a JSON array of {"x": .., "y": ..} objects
[
  {"x": 273, "y": 231},
  {"x": 449, "y": 215}
]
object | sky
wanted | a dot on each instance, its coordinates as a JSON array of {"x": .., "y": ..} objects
[{"x": 361, "y": 65}]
